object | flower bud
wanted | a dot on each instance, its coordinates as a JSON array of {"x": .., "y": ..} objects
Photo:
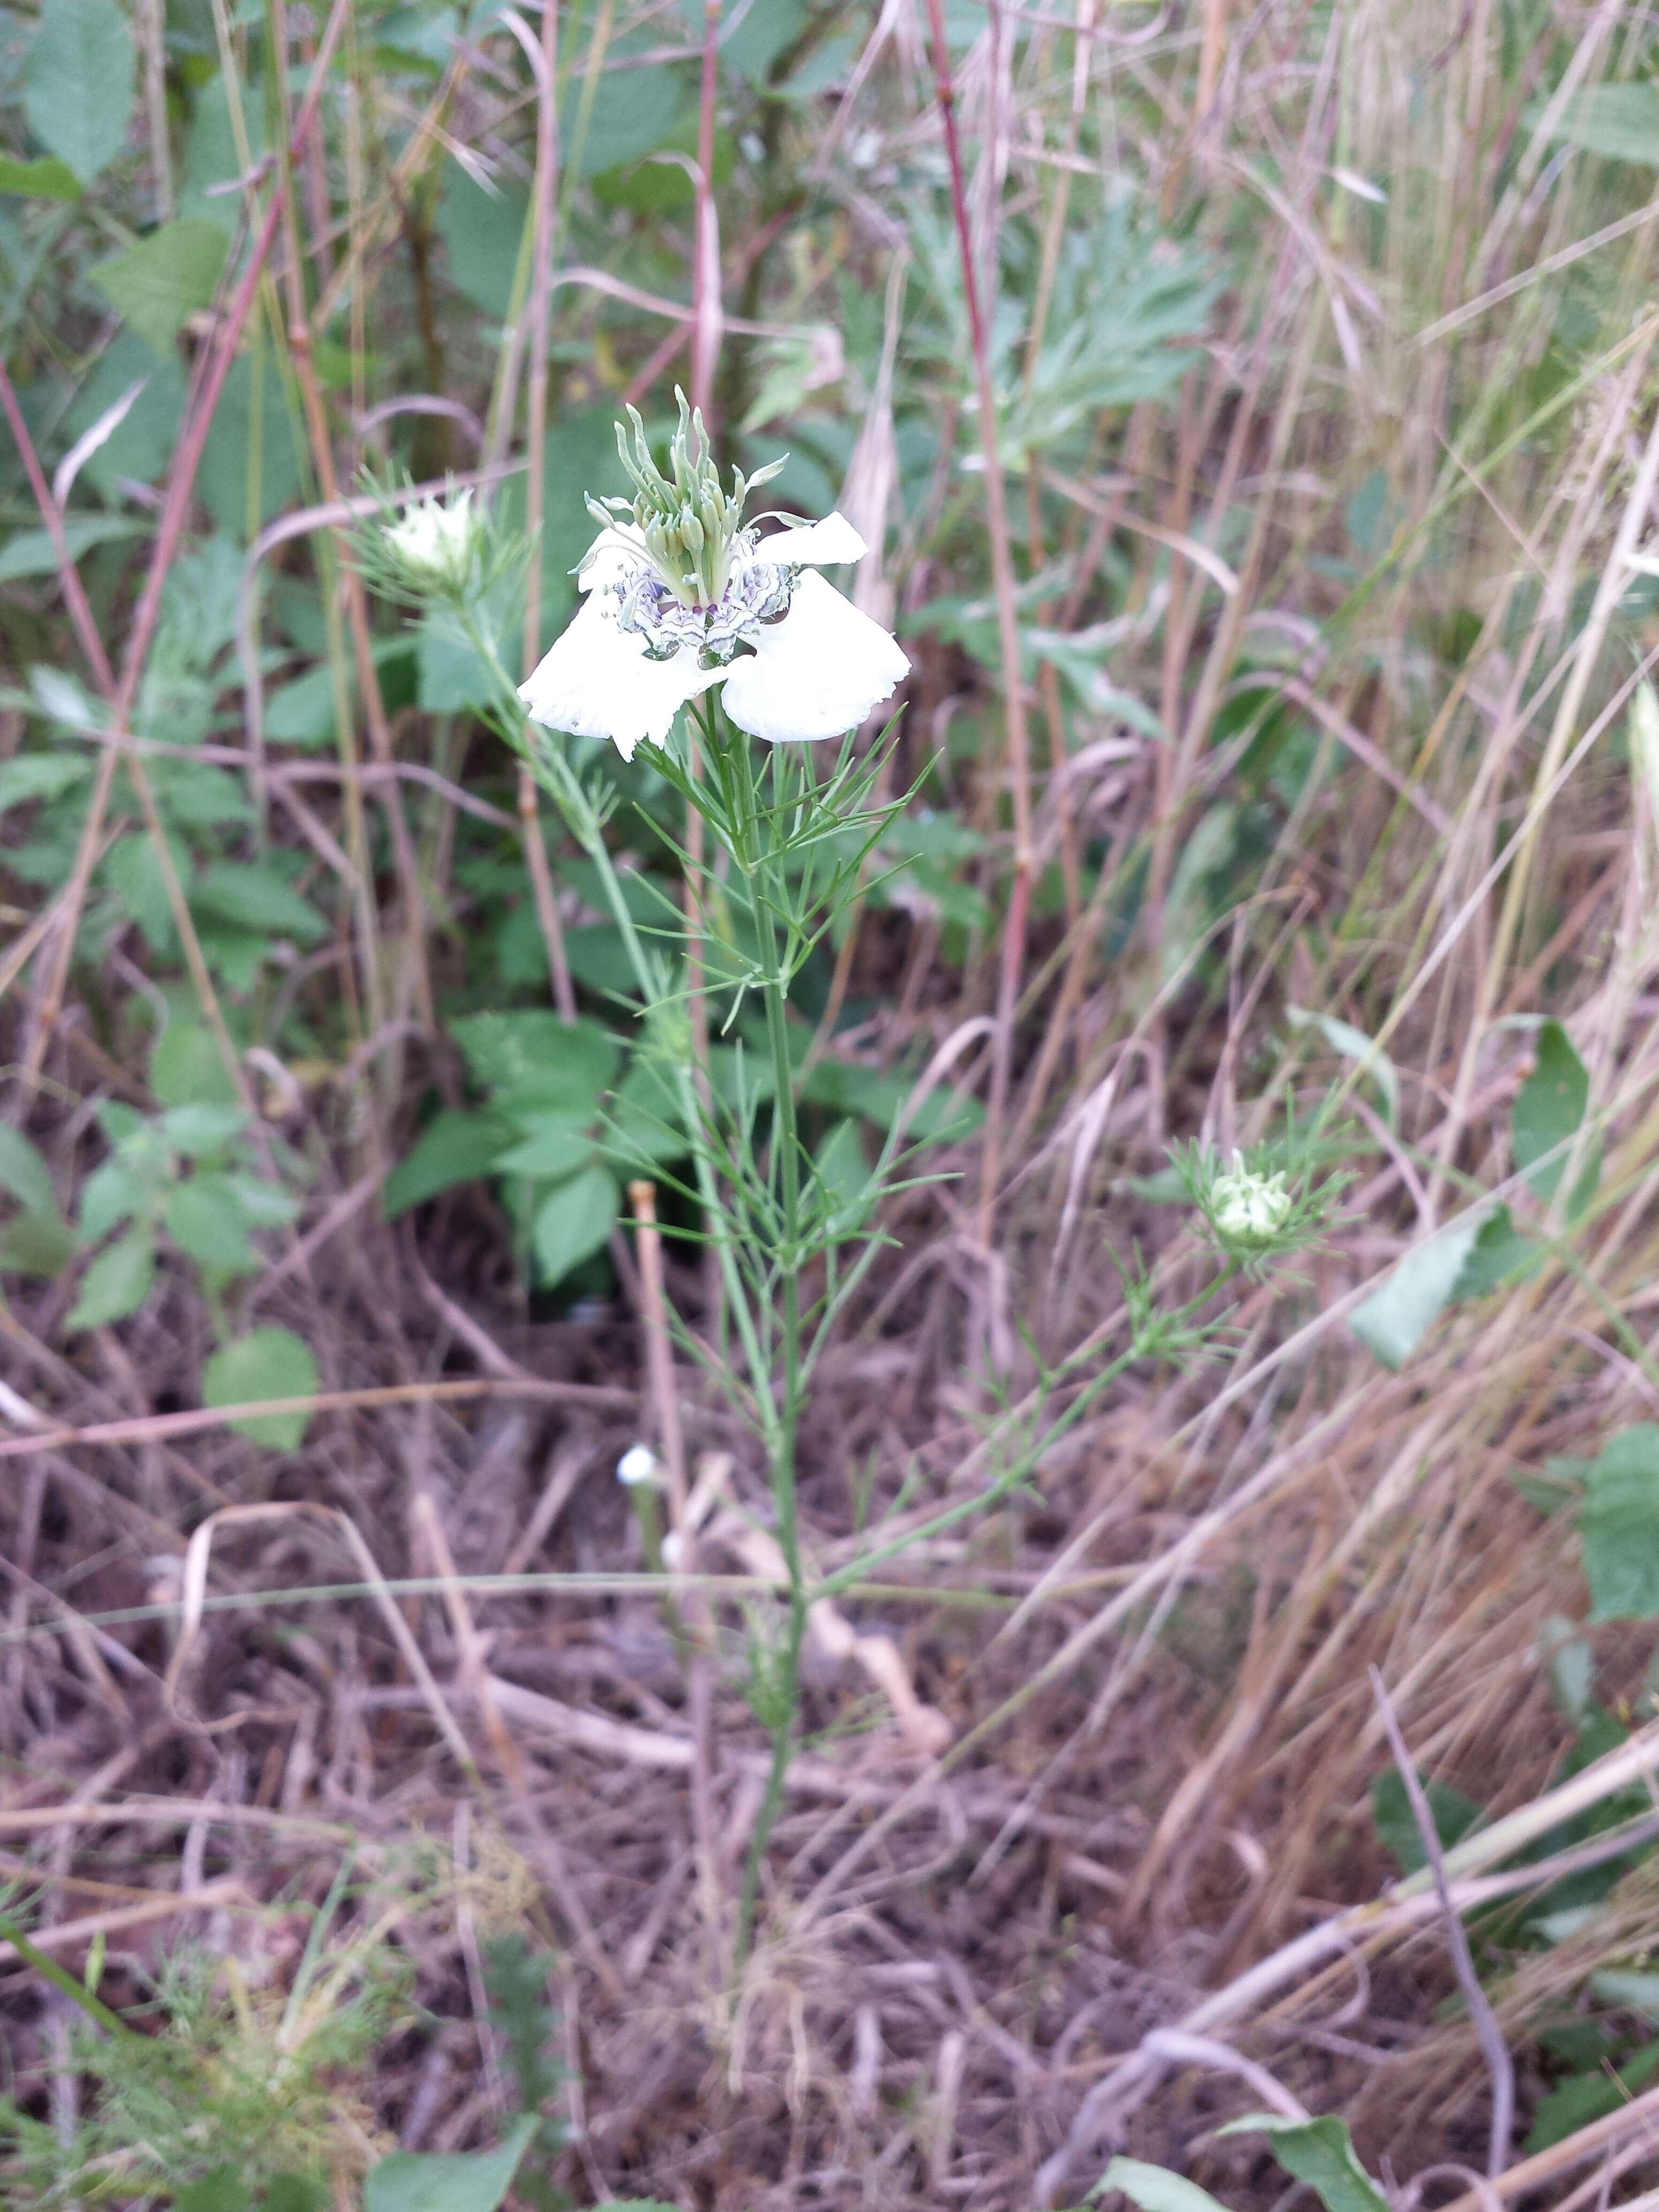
[
  {"x": 435, "y": 544},
  {"x": 1249, "y": 1208}
]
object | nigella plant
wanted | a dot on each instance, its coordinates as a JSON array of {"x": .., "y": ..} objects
[
  {"x": 680, "y": 594},
  {"x": 701, "y": 629}
]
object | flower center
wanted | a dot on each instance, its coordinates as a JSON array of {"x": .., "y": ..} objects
[{"x": 755, "y": 592}]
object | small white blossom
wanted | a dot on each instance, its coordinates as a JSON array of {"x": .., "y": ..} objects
[
  {"x": 434, "y": 543},
  {"x": 637, "y": 1464},
  {"x": 1251, "y": 1208},
  {"x": 680, "y": 594}
]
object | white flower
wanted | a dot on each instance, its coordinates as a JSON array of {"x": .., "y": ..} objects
[
  {"x": 433, "y": 543},
  {"x": 679, "y": 595},
  {"x": 1252, "y": 1208},
  {"x": 637, "y": 1464}
]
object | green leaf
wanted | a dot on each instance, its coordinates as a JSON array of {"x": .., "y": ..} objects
[
  {"x": 141, "y": 443},
  {"x": 1395, "y": 1317},
  {"x": 294, "y": 2192},
  {"x": 205, "y": 1220},
  {"x": 655, "y": 186},
  {"x": 39, "y": 775},
  {"x": 24, "y": 1173},
  {"x": 1353, "y": 1044},
  {"x": 113, "y": 1194},
  {"x": 222, "y": 2191},
  {"x": 549, "y": 1145},
  {"x": 1549, "y": 1110},
  {"x": 185, "y": 1067},
  {"x": 1618, "y": 1527},
  {"x": 1320, "y": 2152},
  {"x": 1587, "y": 2097},
  {"x": 1617, "y": 121},
  {"x": 641, "y": 1129},
  {"x": 165, "y": 277},
  {"x": 1453, "y": 1815},
  {"x": 573, "y": 1221},
  {"x": 117, "y": 1283},
  {"x": 454, "y": 1147},
  {"x": 32, "y": 553},
  {"x": 267, "y": 1363},
  {"x": 879, "y": 1096},
  {"x": 1501, "y": 1254},
  {"x": 529, "y": 1060},
  {"x": 254, "y": 896},
  {"x": 200, "y": 1128},
  {"x": 841, "y": 1171},
  {"x": 35, "y": 1245},
  {"x": 1154, "y": 2188},
  {"x": 481, "y": 231},
  {"x": 78, "y": 83},
  {"x": 476, "y": 2181},
  {"x": 45, "y": 179}
]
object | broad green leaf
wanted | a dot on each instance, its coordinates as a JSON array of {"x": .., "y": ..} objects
[
  {"x": 658, "y": 182},
  {"x": 532, "y": 1060},
  {"x": 475, "y": 2181},
  {"x": 641, "y": 1128},
  {"x": 39, "y": 775},
  {"x": 481, "y": 232},
  {"x": 1632, "y": 1991},
  {"x": 1548, "y": 1110},
  {"x": 1320, "y": 2152},
  {"x": 254, "y": 896},
  {"x": 1619, "y": 121},
  {"x": 113, "y": 1194},
  {"x": 45, "y": 179},
  {"x": 210, "y": 154},
  {"x": 35, "y": 1245},
  {"x": 203, "y": 1219},
  {"x": 1500, "y": 1253},
  {"x": 165, "y": 277},
  {"x": 185, "y": 1067},
  {"x": 133, "y": 871},
  {"x": 251, "y": 428},
  {"x": 1353, "y": 1044},
  {"x": 1393, "y": 1320},
  {"x": 32, "y": 553},
  {"x": 201, "y": 1127},
  {"x": 1453, "y": 1813},
  {"x": 78, "y": 83},
  {"x": 295, "y": 2192},
  {"x": 879, "y": 1097},
  {"x": 549, "y": 1145},
  {"x": 142, "y": 442},
  {"x": 573, "y": 1221},
  {"x": 632, "y": 111},
  {"x": 264, "y": 1205},
  {"x": 1618, "y": 1527},
  {"x": 1587, "y": 2097},
  {"x": 24, "y": 1173},
  {"x": 454, "y": 1147},
  {"x": 1154, "y": 2188},
  {"x": 117, "y": 1283},
  {"x": 222, "y": 2191},
  {"x": 841, "y": 1171},
  {"x": 267, "y": 1363}
]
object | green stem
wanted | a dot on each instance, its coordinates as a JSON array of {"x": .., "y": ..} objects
[
  {"x": 786, "y": 1159},
  {"x": 554, "y": 773}
]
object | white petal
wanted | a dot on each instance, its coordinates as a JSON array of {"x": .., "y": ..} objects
[
  {"x": 815, "y": 674},
  {"x": 614, "y": 552},
  {"x": 597, "y": 683},
  {"x": 825, "y": 545}
]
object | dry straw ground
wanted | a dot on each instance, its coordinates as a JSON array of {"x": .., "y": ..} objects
[{"x": 1381, "y": 514}]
